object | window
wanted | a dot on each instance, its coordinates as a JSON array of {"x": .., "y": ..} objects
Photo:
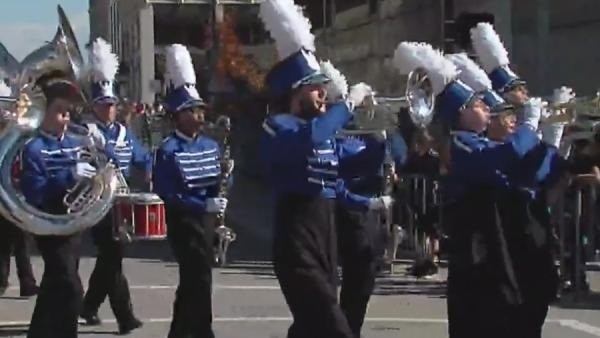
[{"x": 319, "y": 12}]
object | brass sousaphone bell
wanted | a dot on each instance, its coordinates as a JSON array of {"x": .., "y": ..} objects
[
  {"x": 379, "y": 113},
  {"x": 91, "y": 199}
]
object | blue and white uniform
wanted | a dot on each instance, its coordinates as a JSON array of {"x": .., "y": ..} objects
[
  {"x": 187, "y": 171},
  {"x": 123, "y": 147},
  {"x": 48, "y": 163},
  {"x": 303, "y": 157},
  {"x": 359, "y": 231}
]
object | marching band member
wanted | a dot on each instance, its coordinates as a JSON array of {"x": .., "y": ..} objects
[
  {"x": 493, "y": 58},
  {"x": 495, "y": 287},
  {"x": 300, "y": 160},
  {"x": 360, "y": 165},
  {"x": 50, "y": 167},
  {"x": 187, "y": 173},
  {"x": 502, "y": 117},
  {"x": 15, "y": 241},
  {"x": 120, "y": 145}
]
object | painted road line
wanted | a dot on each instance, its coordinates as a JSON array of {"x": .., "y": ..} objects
[
  {"x": 580, "y": 326},
  {"x": 170, "y": 287},
  {"x": 569, "y": 323}
]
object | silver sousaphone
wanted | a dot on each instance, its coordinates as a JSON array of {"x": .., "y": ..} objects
[
  {"x": 91, "y": 199},
  {"x": 381, "y": 113}
]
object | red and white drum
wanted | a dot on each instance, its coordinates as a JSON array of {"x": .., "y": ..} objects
[
  {"x": 148, "y": 216},
  {"x": 145, "y": 214},
  {"x": 123, "y": 211}
]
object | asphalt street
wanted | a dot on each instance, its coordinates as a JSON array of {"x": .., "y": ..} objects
[{"x": 248, "y": 302}]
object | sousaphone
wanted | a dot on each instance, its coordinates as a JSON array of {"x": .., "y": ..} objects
[
  {"x": 380, "y": 113},
  {"x": 91, "y": 199}
]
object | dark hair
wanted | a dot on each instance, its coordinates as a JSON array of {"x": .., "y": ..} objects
[
  {"x": 61, "y": 89},
  {"x": 281, "y": 104}
]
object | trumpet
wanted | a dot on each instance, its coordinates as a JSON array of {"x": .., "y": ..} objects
[{"x": 577, "y": 109}]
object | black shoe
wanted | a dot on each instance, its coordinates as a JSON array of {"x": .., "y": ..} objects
[
  {"x": 29, "y": 291},
  {"x": 91, "y": 319},
  {"x": 3, "y": 290},
  {"x": 126, "y": 328}
]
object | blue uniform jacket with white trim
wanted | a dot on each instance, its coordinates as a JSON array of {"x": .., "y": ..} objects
[
  {"x": 361, "y": 163},
  {"x": 300, "y": 156},
  {"x": 522, "y": 161},
  {"x": 187, "y": 171},
  {"x": 130, "y": 152},
  {"x": 47, "y": 168}
]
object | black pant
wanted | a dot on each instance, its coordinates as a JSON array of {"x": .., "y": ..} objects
[
  {"x": 14, "y": 240},
  {"x": 108, "y": 279},
  {"x": 305, "y": 261},
  {"x": 59, "y": 300},
  {"x": 358, "y": 235},
  {"x": 191, "y": 239}
]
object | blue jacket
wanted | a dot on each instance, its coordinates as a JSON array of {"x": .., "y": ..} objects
[
  {"x": 187, "y": 171},
  {"x": 398, "y": 149},
  {"x": 47, "y": 169},
  {"x": 361, "y": 163},
  {"x": 301, "y": 156},
  {"x": 521, "y": 161},
  {"x": 128, "y": 153}
]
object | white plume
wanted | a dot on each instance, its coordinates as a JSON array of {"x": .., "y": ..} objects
[
  {"x": 410, "y": 55},
  {"x": 406, "y": 58},
  {"x": 103, "y": 62},
  {"x": 338, "y": 86},
  {"x": 470, "y": 72},
  {"x": 5, "y": 90},
  {"x": 288, "y": 26},
  {"x": 488, "y": 46},
  {"x": 180, "y": 69}
]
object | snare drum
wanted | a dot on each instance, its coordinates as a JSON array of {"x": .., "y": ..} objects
[
  {"x": 146, "y": 214},
  {"x": 123, "y": 211}
]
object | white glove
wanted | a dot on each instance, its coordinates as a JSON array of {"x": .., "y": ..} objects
[
  {"x": 380, "y": 203},
  {"x": 562, "y": 95},
  {"x": 84, "y": 170},
  {"x": 357, "y": 94},
  {"x": 552, "y": 133},
  {"x": 532, "y": 112},
  {"x": 216, "y": 205}
]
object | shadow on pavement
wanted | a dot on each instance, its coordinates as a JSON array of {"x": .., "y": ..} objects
[
  {"x": 12, "y": 331},
  {"x": 587, "y": 301}
]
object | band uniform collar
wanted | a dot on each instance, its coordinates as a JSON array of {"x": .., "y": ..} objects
[
  {"x": 184, "y": 136},
  {"x": 47, "y": 135},
  {"x": 103, "y": 125}
]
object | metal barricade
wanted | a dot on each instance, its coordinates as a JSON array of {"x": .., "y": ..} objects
[
  {"x": 416, "y": 196},
  {"x": 576, "y": 232}
]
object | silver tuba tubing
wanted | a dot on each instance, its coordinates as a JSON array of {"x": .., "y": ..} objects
[
  {"x": 13, "y": 205},
  {"x": 90, "y": 200},
  {"x": 419, "y": 98}
]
